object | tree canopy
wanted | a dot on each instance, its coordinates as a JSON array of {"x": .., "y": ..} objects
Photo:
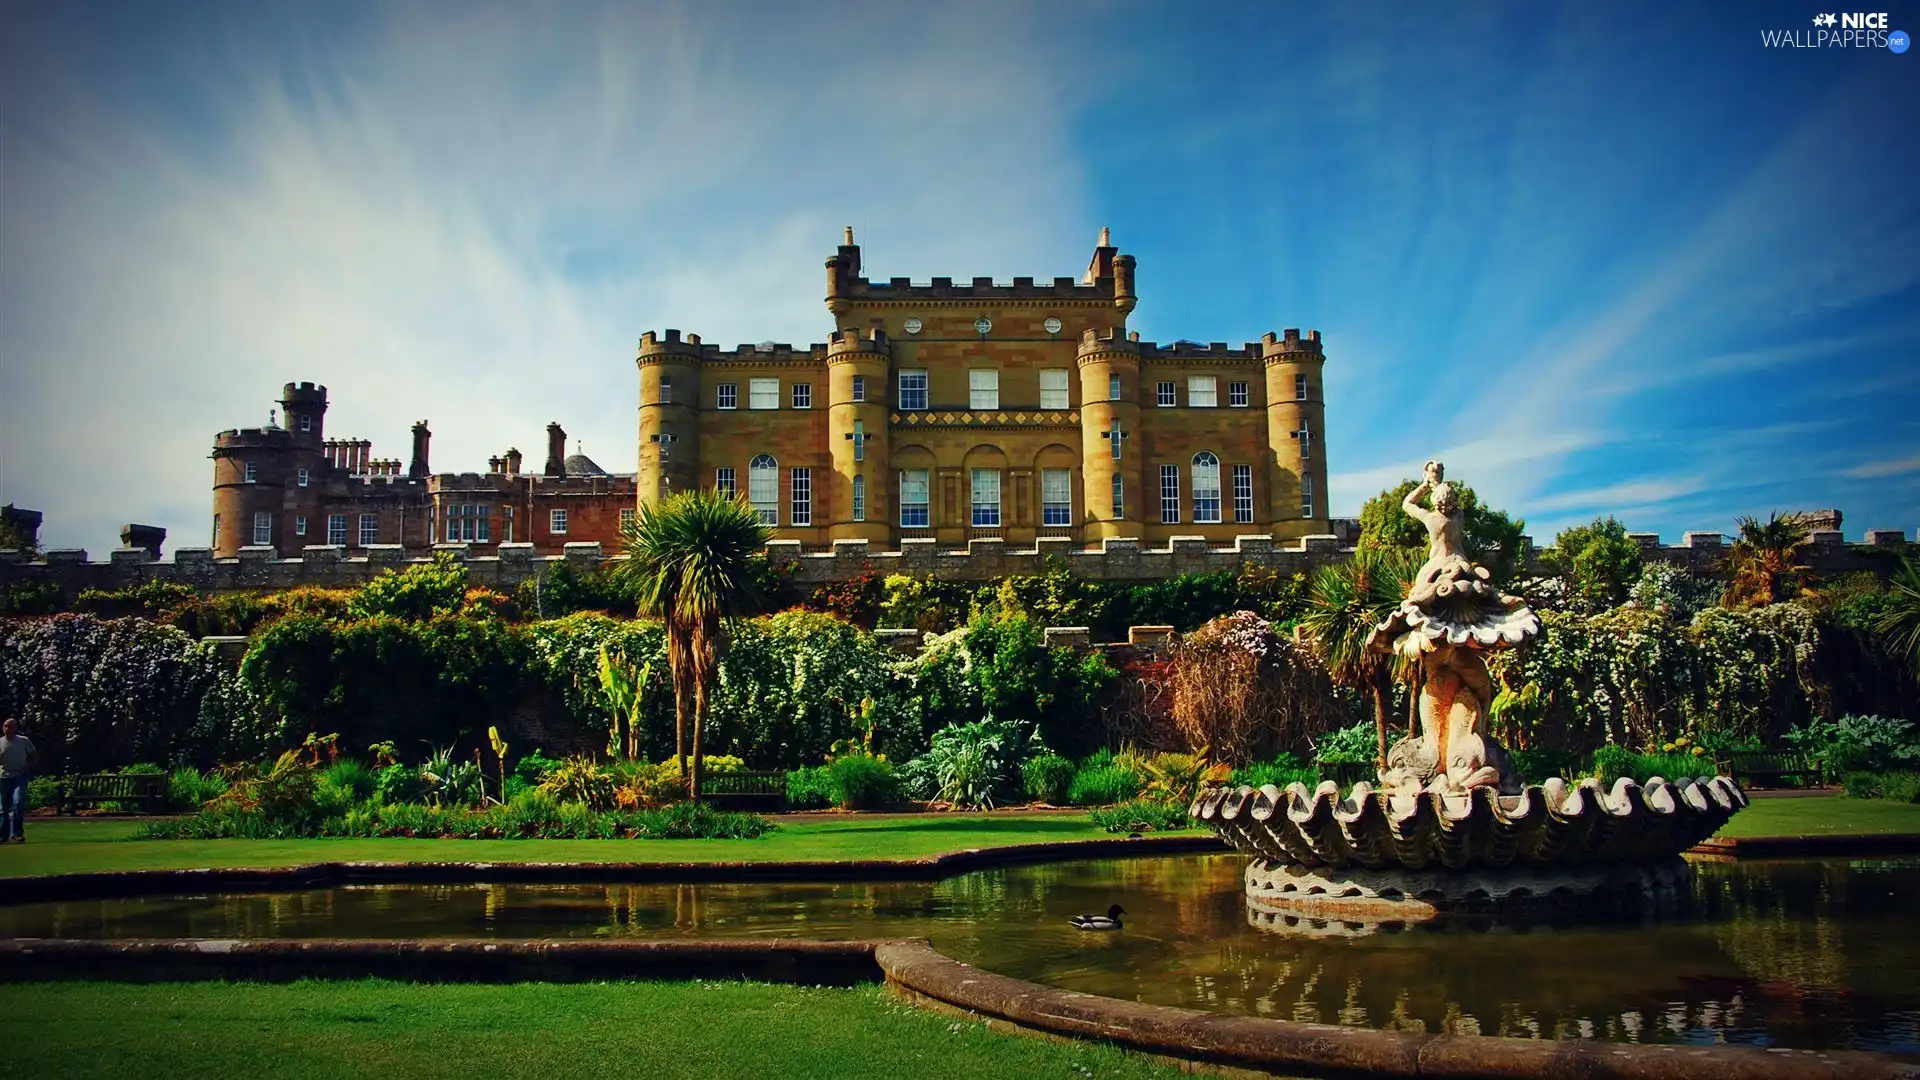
[
  {"x": 1598, "y": 562},
  {"x": 1493, "y": 539}
]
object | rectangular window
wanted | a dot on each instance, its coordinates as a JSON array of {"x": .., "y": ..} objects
[
  {"x": 455, "y": 515},
  {"x": 300, "y": 525},
  {"x": 913, "y": 391},
  {"x": 369, "y": 529},
  {"x": 557, "y": 522},
  {"x": 262, "y": 527},
  {"x": 306, "y": 422},
  {"x": 983, "y": 388},
  {"x": 337, "y": 530},
  {"x": 913, "y": 499},
  {"x": 1306, "y": 496},
  {"x": 216, "y": 530},
  {"x": 859, "y": 441},
  {"x": 627, "y": 516},
  {"x": 1053, "y": 388},
  {"x": 859, "y": 388},
  {"x": 726, "y": 396},
  {"x": 986, "y": 497},
  {"x": 666, "y": 389},
  {"x": 1056, "y": 497},
  {"x": 763, "y": 491},
  {"x": 253, "y": 473},
  {"x": 1119, "y": 497},
  {"x": 1113, "y": 388},
  {"x": 859, "y": 498},
  {"x": 801, "y": 489},
  {"x": 1115, "y": 437},
  {"x": 506, "y": 522},
  {"x": 1202, "y": 392},
  {"x": 1305, "y": 435},
  {"x": 763, "y": 393},
  {"x": 802, "y": 395},
  {"x": 1299, "y": 388},
  {"x": 1206, "y": 492},
  {"x": 723, "y": 482},
  {"x": 304, "y": 477},
  {"x": 483, "y": 524},
  {"x": 1243, "y": 494},
  {"x": 1163, "y": 395},
  {"x": 1170, "y": 494},
  {"x": 1236, "y": 395}
]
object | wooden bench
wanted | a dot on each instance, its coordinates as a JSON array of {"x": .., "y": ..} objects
[
  {"x": 1764, "y": 768},
  {"x": 762, "y": 791},
  {"x": 147, "y": 789},
  {"x": 1347, "y": 773}
]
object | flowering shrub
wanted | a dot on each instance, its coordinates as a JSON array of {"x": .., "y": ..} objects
[{"x": 1859, "y": 743}]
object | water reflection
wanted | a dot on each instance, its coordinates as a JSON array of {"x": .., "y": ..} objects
[{"x": 1796, "y": 953}]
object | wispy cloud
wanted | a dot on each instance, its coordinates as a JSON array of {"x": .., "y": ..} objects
[{"x": 1872, "y": 469}]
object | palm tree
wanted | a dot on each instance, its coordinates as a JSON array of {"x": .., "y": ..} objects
[
  {"x": 1764, "y": 560},
  {"x": 1346, "y": 601},
  {"x": 1899, "y": 620},
  {"x": 690, "y": 560}
]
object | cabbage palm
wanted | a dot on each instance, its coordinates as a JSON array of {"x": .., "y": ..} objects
[
  {"x": 690, "y": 558},
  {"x": 1345, "y": 602},
  {"x": 1899, "y": 620},
  {"x": 1764, "y": 560}
]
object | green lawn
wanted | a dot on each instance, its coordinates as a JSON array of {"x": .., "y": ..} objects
[
  {"x": 1823, "y": 815},
  {"x": 69, "y": 846},
  {"x": 460, "y": 1031}
]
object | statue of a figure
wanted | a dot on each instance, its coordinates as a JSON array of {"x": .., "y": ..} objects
[{"x": 1452, "y": 614}]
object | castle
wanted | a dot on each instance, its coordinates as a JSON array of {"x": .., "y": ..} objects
[{"x": 951, "y": 413}]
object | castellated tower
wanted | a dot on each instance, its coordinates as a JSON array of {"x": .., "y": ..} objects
[
  {"x": 1296, "y": 425},
  {"x": 669, "y": 414},
  {"x": 305, "y": 407},
  {"x": 1111, "y": 449},
  {"x": 861, "y": 494}
]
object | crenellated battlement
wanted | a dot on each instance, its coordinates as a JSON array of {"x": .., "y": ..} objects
[
  {"x": 1060, "y": 289},
  {"x": 855, "y": 342},
  {"x": 1289, "y": 342},
  {"x": 1111, "y": 340}
]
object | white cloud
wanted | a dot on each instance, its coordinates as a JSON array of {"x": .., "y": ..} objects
[{"x": 1876, "y": 469}]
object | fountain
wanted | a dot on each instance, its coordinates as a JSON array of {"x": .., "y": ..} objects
[{"x": 1451, "y": 828}]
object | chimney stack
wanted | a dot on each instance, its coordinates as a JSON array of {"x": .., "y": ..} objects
[
  {"x": 556, "y": 450},
  {"x": 418, "y": 467},
  {"x": 514, "y": 458}
]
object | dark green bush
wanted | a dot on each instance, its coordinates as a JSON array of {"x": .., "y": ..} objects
[
  {"x": 1281, "y": 771},
  {"x": 1104, "y": 785},
  {"x": 1537, "y": 763},
  {"x": 809, "y": 787},
  {"x": 1049, "y": 778},
  {"x": 535, "y": 815},
  {"x": 1142, "y": 815},
  {"x": 398, "y": 783},
  {"x": 533, "y": 768},
  {"x": 1610, "y": 763},
  {"x": 1899, "y": 786},
  {"x": 862, "y": 783}
]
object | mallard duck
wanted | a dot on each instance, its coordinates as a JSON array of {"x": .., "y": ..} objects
[{"x": 1109, "y": 921}]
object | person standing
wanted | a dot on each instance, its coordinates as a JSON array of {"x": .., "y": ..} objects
[{"x": 17, "y": 759}]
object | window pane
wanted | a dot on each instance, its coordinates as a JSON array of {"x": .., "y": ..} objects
[
  {"x": 859, "y": 441},
  {"x": 983, "y": 389},
  {"x": 1300, "y": 388},
  {"x": 1201, "y": 392},
  {"x": 1119, "y": 497},
  {"x": 337, "y": 529},
  {"x": 986, "y": 497},
  {"x": 1170, "y": 494},
  {"x": 369, "y": 529},
  {"x": 1306, "y": 440},
  {"x": 1053, "y": 388},
  {"x": 913, "y": 499},
  {"x": 666, "y": 389},
  {"x": 723, "y": 481},
  {"x": 300, "y": 525},
  {"x": 859, "y": 498},
  {"x": 764, "y": 393},
  {"x": 1306, "y": 496},
  {"x": 305, "y": 476},
  {"x": 1237, "y": 395},
  {"x": 1113, "y": 388},
  {"x": 1056, "y": 497},
  {"x": 859, "y": 388},
  {"x": 556, "y": 521},
  {"x": 1163, "y": 395},
  {"x": 763, "y": 488},
  {"x": 262, "y": 527},
  {"x": 803, "y": 395},
  {"x": 913, "y": 390},
  {"x": 1206, "y": 488},
  {"x": 1243, "y": 493},
  {"x": 800, "y": 488},
  {"x": 727, "y": 396}
]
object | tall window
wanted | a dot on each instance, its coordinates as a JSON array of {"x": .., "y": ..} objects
[
  {"x": 1206, "y": 488},
  {"x": 983, "y": 388},
  {"x": 913, "y": 499},
  {"x": 304, "y": 477},
  {"x": 723, "y": 482},
  {"x": 468, "y": 523},
  {"x": 800, "y": 488},
  {"x": 1299, "y": 388},
  {"x": 337, "y": 530},
  {"x": 1236, "y": 395},
  {"x": 1056, "y": 497},
  {"x": 859, "y": 388},
  {"x": 1113, "y": 388},
  {"x": 913, "y": 391},
  {"x": 1203, "y": 392},
  {"x": 1306, "y": 496},
  {"x": 1305, "y": 435},
  {"x": 1053, "y": 388},
  {"x": 763, "y": 488},
  {"x": 1163, "y": 395},
  {"x": 306, "y": 422},
  {"x": 802, "y": 395},
  {"x": 557, "y": 522},
  {"x": 1119, "y": 497},
  {"x": 506, "y": 522},
  {"x": 252, "y": 473},
  {"x": 262, "y": 527},
  {"x": 1243, "y": 494},
  {"x": 986, "y": 497},
  {"x": 216, "y": 530},
  {"x": 300, "y": 525},
  {"x": 369, "y": 529},
  {"x": 763, "y": 393},
  {"x": 859, "y": 441},
  {"x": 666, "y": 389},
  {"x": 1170, "y": 494},
  {"x": 726, "y": 396},
  {"x": 1115, "y": 437},
  {"x": 859, "y": 498},
  {"x": 627, "y": 516}
]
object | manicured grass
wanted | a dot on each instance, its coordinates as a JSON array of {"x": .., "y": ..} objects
[
  {"x": 461, "y": 1031},
  {"x": 74, "y": 846},
  {"x": 1822, "y": 815}
]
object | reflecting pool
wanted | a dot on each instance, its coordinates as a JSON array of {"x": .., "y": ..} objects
[{"x": 1799, "y": 953}]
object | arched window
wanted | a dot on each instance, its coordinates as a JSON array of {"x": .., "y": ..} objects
[
  {"x": 763, "y": 488},
  {"x": 1206, "y": 488}
]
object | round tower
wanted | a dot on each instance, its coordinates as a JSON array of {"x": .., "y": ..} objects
[
  {"x": 857, "y": 437},
  {"x": 251, "y": 470},
  {"x": 669, "y": 414},
  {"x": 1296, "y": 434},
  {"x": 304, "y": 407},
  {"x": 1107, "y": 421}
]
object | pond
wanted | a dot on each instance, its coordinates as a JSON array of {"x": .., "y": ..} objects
[{"x": 1799, "y": 953}]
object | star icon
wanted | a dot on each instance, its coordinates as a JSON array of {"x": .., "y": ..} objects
[{"x": 1824, "y": 20}]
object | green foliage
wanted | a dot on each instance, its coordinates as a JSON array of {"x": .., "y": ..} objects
[
  {"x": 398, "y": 783},
  {"x": 976, "y": 765},
  {"x": 1537, "y": 763},
  {"x": 29, "y": 597},
  {"x": 561, "y": 590},
  {"x": 1048, "y": 778},
  {"x": 581, "y": 780},
  {"x": 1492, "y": 538},
  {"x": 43, "y": 791},
  {"x": 534, "y": 767},
  {"x": 280, "y": 794},
  {"x": 1054, "y": 598},
  {"x": 534, "y": 814},
  {"x": 930, "y": 605},
  {"x": 1859, "y": 743},
  {"x": 353, "y": 776},
  {"x": 1348, "y": 744},
  {"x": 421, "y": 591},
  {"x": 1281, "y": 771},
  {"x": 792, "y": 684},
  {"x": 859, "y": 782},
  {"x": 1764, "y": 562},
  {"x": 1184, "y": 602},
  {"x": 1610, "y": 763},
  {"x": 1679, "y": 593},
  {"x": 1142, "y": 816},
  {"x": 810, "y": 787},
  {"x": 1898, "y": 621},
  {"x": 149, "y": 600},
  {"x": 1902, "y": 786},
  {"x": 1597, "y": 561},
  {"x": 1103, "y": 782},
  {"x": 1017, "y": 678}
]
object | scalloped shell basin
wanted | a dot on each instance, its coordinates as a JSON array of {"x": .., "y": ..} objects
[{"x": 1549, "y": 825}]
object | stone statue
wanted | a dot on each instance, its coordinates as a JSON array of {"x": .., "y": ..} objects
[{"x": 1452, "y": 615}]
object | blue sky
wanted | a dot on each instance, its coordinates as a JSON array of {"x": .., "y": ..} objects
[{"x": 1602, "y": 258}]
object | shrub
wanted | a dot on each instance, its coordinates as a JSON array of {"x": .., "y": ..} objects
[
  {"x": 190, "y": 789},
  {"x": 976, "y": 765},
  {"x": 43, "y": 791},
  {"x": 1357, "y": 743},
  {"x": 1244, "y": 691},
  {"x": 279, "y": 794},
  {"x": 354, "y": 776},
  {"x": 810, "y": 788},
  {"x": 1610, "y": 763},
  {"x": 1176, "y": 778},
  {"x": 1281, "y": 771},
  {"x": 421, "y": 591},
  {"x": 399, "y": 783},
  {"x": 1902, "y": 786},
  {"x": 1142, "y": 815},
  {"x": 581, "y": 780},
  {"x": 1049, "y": 778},
  {"x": 1104, "y": 784},
  {"x": 863, "y": 783},
  {"x": 689, "y": 821},
  {"x": 1537, "y": 763},
  {"x": 1859, "y": 743},
  {"x": 534, "y": 767}
]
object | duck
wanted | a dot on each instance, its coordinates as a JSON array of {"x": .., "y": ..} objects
[{"x": 1109, "y": 921}]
